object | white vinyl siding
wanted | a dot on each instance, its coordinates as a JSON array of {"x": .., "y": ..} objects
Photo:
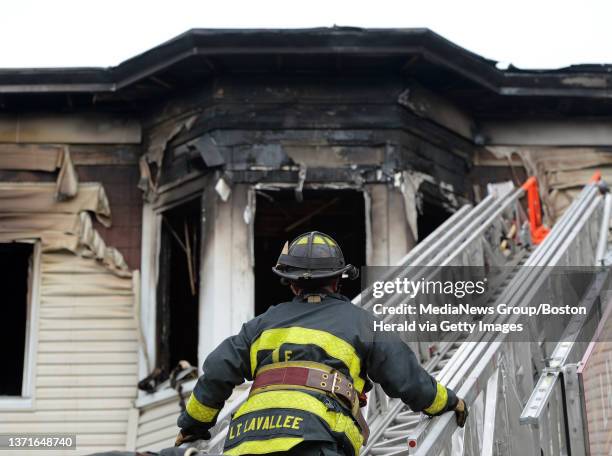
[
  {"x": 157, "y": 426},
  {"x": 87, "y": 356}
]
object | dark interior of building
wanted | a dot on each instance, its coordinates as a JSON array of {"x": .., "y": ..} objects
[
  {"x": 430, "y": 217},
  {"x": 178, "y": 286},
  {"x": 280, "y": 217},
  {"x": 15, "y": 261}
]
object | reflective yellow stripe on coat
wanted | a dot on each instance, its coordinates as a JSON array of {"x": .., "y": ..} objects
[
  {"x": 199, "y": 411},
  {"x": 297, "y": 400},
  {"x": 439, "y": 401},
  {"x": 335, "y": 347}
]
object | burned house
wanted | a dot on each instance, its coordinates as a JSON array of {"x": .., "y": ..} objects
[{"x": 142, "y": 206}]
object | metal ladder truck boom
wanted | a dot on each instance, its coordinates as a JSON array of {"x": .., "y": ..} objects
[{"x": 496, "y": 375}]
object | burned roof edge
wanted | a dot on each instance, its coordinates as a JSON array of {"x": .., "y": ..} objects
[{"x": 577, "y": 80}]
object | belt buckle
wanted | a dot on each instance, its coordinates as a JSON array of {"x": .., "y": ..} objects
[{"x": 334, "y": 381}]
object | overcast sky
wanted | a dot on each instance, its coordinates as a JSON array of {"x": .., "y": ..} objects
[{"x": 528, "y": 34}]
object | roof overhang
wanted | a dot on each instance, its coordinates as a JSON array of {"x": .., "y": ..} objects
[{"x": 306, "y": 50}]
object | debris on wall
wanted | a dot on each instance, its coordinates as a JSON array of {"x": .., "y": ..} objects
[
  {"x": 408, "y": 183},
  {"x": 561, "y": 171},
  {"x": 500, "y": 189},
  {"x": 158, "y": 142}
]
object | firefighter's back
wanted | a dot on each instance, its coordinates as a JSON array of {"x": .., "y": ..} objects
[{"x": 308, "y": 334}]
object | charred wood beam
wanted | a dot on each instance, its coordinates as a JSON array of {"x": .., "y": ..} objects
[
  {"x": 272, "y": 157},
  {"x": 424, "y": 103},
  {"x": 261, "y": 151},
  {"x": 315, "y": 176},
  {"x": 322, "y": 117}
]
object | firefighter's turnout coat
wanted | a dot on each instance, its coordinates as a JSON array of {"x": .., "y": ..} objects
[{"x": 333, "y": 332}]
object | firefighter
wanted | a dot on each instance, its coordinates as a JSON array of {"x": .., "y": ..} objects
[{"x": 311, "y": 361}]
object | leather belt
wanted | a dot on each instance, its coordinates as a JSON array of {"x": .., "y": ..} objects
[{"x": 323, "y": 379}]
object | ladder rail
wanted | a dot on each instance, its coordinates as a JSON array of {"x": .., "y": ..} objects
[
  {"x": 474, "y": 231},
  {"x": 487, "y": 357},
  {"x": 471, "y": 351}
]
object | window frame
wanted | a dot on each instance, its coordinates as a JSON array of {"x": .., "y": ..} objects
[
  {"x": 27, "y": 399},
  {"x": 150, "y": 270}
]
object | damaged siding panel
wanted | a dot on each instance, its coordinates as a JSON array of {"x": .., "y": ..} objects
[
  {"x": 34, "y": 198},
  {"x": 48, "y": 157},
  {"x": 86, "y": 364},
  {"x": 31, "y": 211},
  {"x": 30, "y": 157},
  {"x": 113, "y": 165},
  {"x": 70, "y": 129}
]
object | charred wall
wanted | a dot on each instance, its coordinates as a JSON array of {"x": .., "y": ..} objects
[{"x": 340, "y": 129}]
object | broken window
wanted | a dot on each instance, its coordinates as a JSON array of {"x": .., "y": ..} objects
[
  {"x": 178, "y": 286},
  {"x": 430, "y": 217},
  {"x": 15, "y": 270},
  {"x": 280, "y": 218}
]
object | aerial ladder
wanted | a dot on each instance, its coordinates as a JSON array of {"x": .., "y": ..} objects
[
  {"x": 471, "y": 237},
  {"x": 513, "y": 414}
]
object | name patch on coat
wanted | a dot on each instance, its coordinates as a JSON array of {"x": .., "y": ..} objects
[{"x": 274, "y": 421}]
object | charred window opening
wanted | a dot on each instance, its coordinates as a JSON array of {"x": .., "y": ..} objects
[
  {"x": 280, "y": 218},
  {"x": 15, "y": 261},
  {"x": 431, "y": 216},
  {"x": 178, "y": 286}
]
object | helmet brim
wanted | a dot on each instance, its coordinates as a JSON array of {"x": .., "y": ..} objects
[{"x": 308, "y": 274}]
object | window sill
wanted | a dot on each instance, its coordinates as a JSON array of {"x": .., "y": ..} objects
[
  {"x": 8, "y": 403},
  {"x": 169, "y": 395},
  {"x": 163, "y": 395}
]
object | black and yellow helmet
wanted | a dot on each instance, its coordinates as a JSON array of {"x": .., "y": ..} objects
[{"x": 313, "y": 255}]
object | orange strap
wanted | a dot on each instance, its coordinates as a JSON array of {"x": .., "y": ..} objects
[{"x": 537, "y": 229}]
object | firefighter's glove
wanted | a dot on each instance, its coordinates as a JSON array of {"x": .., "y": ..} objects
[
  {"x": 461, "y": 412},
  {"x": 188, "y": 435}
]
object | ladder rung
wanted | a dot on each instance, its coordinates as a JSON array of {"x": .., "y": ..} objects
[
  {"x": 394, "y": 434},
  {"x": 389, "y": 450},
  {"x": 407, "y": 418}
]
